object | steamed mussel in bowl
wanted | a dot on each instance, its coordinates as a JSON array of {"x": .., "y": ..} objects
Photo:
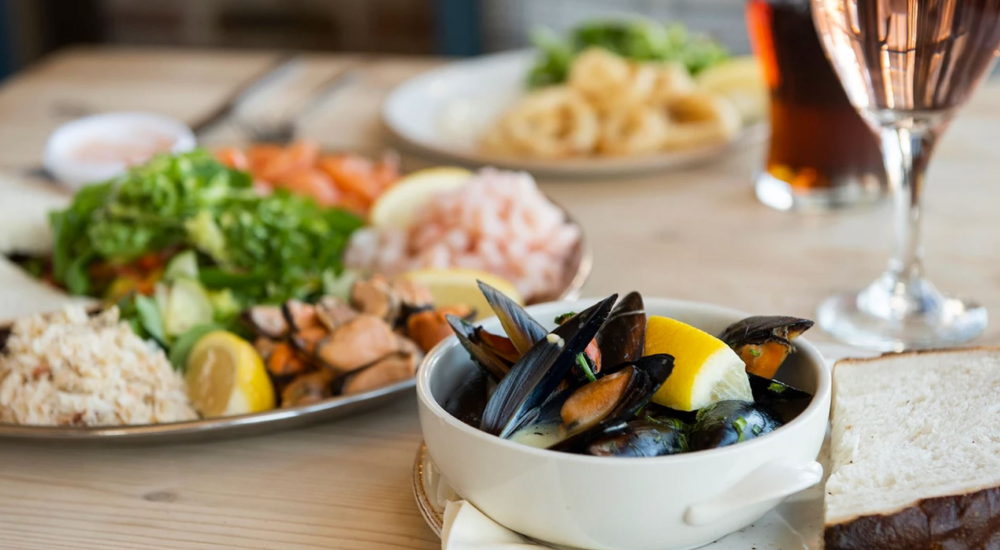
[{"x": 612, "y": 381}]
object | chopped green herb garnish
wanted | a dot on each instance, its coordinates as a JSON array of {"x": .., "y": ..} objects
[
  {"x": 776, "y": 387},
  {"x": 740, "y": 424},
  {"x": 560, "y": 319},
  {"x": 755, "y": 351},
  {"x": 581, "y": 359},
  {"x": 757, "y": 429}
]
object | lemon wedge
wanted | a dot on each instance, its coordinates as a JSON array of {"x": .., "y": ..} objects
[
  {"x": 400, "y": 203},
  {"x": 705, "y": 371},
  {"x": 225, "y": 376},
  {"x": 741, "y": 81},
  {"x": 458, "y": 286}
]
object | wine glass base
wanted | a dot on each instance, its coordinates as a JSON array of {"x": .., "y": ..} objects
[
  {"x": 953, "y": 322},
  {"x": 849, "y": 192}
]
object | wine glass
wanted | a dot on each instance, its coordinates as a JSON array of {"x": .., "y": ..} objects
[{"x": 907, "y": 66}]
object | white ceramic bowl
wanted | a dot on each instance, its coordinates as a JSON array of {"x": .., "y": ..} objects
[
  {"x": 99, "y": 147},
  {"x": 597, "y": 503}
]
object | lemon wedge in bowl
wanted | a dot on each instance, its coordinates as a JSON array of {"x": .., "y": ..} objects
[
  {"x": 456, "y": 286},
  {"x": 705, "y": 371},
  {"x": 225, "y": 376},
  {"x": 398, "y": 205}
]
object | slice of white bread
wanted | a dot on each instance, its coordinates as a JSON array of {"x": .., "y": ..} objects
[{"x": 915, "y": 452}]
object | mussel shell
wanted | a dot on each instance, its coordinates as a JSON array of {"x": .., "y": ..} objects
[
  {"x": 642, "y": 438},
  {"x": 730, "y": 422},
  {"x": 495, "y": 367},
  {"x": 648, "y": 375},
  {"x": 268, "y": 321},
  {"x": 760, "y": 329},
  {"x": 522, "y": 329},
  {"x": 532, "y": 380},
  {"x": 787, "y": 401},
  {"x": 623, "y": 336},
  {"x": 468, "y": 401}
]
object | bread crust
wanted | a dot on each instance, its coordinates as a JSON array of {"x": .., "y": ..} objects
[
  {"x": 895, "y": 354},
  {"x": 959, "y": 522}
]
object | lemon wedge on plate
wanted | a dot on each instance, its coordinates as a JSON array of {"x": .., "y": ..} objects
[
  {"x": 225, "y": 376},
  {"x": 400, "y": 203},
  {"x": 458, "y": 286},
  {"x": 741, "y": 81},
  {"x": 705, "y": 371}
]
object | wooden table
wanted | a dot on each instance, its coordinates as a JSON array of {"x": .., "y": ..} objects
[{"x": 696, "y": 234}]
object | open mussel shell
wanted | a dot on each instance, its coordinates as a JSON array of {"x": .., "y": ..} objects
[
  {"x": 647, "y": 437},
  {"x": 268, "y": 321},
  {"x": 540, "y": 371},
  {"x": 522, "y": 329},
  {"x": 764, "y": 342},
  {"x": 491, "y": 364},
  {"x": 602, "y": 407},
  {"x": 730, "y": 422},
  {"x": 787, "y": 401},
  {"x": 623, "y": 336}
]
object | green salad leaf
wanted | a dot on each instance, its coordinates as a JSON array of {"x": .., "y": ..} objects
[
  {"x": 264, "y": 249},
  {"x": 638, "y": 40}
]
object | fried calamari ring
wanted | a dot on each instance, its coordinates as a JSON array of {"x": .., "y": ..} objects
[
  {"x": 670, "y": 80},
  {"x": 550, "y": 123},
  {"x": 634, "y": 130},
  {"x": 610, "y": 81},
  {"x": 699, "y": 119}
]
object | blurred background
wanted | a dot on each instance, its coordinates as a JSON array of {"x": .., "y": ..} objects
[{"x": 32, "y": 28}]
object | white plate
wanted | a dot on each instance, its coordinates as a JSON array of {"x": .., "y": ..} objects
[
  {"x": 445, "y": 111},
  {"x": 796, "y": 524}
]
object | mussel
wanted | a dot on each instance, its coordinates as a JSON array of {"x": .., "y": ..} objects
[
  {"x": 623, "y": 336},
  {"x": 521, "y": 328},
  {"x": 267, "y": 321},
  {"x": 730, "y": 422},
  {"x": 482, "y": 355},
  {"x": 468, "y": 400},
  {"x": 787, "y": 401},
  {"x": 763, "y": 342},
  {"x": 541, "y": 369},
  {"x": 608, "y": 403},
  {"x": 646, "y": 437}
]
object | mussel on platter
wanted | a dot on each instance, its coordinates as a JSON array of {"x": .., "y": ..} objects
[
  {"x": 334, "y": 346},
  {"x": 585, "y": 386}
]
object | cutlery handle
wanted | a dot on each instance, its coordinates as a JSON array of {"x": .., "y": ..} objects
[{"x": 773, "y": 481}]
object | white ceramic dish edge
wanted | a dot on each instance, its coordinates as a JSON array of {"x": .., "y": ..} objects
[{"x": 475, "y": 92}]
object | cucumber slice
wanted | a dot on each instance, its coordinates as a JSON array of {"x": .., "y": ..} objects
[
  {"x": 183, "y": 265},
  {"x": 188, "y": 306}
]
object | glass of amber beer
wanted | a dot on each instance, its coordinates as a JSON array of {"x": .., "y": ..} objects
[{"x": 822, "y": 154}]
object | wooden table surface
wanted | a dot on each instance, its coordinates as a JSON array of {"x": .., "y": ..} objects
[{"x": 696, "y": 234}]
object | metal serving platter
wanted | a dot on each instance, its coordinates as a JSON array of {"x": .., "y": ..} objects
[{"x": 213, "y": 429}]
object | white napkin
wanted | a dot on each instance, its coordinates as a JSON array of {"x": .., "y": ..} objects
[{"x": 466, "y": 528}]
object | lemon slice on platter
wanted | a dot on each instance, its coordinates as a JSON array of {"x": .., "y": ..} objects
[
  {"x": 741, "y": 81},
  {"x": 225, "y": 376},
  {"x": 705, "y": 371},
  {"x": 400, "y": 203},
  {"x": 458, "y": 286}
]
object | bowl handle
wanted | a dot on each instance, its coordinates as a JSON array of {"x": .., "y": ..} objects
[{"x": 774, "y": 480}]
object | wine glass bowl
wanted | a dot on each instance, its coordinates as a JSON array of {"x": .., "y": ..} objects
[{"x": 907, "y": 66}]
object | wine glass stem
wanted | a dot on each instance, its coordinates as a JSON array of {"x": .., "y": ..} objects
[{"x": 901, "y": 290}]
